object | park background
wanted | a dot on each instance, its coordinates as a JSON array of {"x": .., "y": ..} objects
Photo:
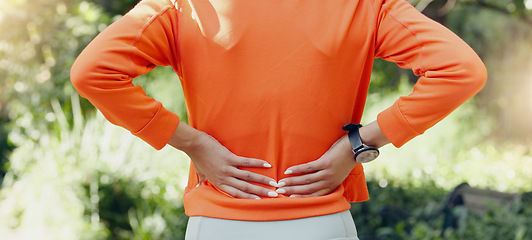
[{"x": 66, "y": 173}]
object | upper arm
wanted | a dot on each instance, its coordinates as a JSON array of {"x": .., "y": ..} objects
[
  {"x": 450, "y": 71},
  {"x": 133, "y": 45}
]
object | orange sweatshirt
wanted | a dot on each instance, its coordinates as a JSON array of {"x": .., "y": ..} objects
[{"x": 275, "y": 80}]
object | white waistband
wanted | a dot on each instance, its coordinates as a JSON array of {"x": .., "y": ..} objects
[{"x": 338, "y": 226}]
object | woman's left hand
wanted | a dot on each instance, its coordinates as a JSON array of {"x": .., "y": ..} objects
[{"x": 322, "y": 176}]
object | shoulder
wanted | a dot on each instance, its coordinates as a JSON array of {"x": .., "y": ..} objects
[{"x": 147, "y": 9}]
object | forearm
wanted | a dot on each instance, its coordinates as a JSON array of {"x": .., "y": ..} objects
[
  {"x": 185, "y": 137},
  {"x": 372, "y": 135}
]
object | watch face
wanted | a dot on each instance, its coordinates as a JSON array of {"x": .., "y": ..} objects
[{"x": 367, "y": 155}]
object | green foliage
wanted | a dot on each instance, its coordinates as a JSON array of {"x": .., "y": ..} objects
[
  {"x": 395, "y": 210},
  {"x": 37, "y": 55},
  {"x": 75, "y": 176},
  {"x": 415, "y": 212},
  {"x": 139, "y": 210},
  {"x": 116, "y": 189},
  {"x": 5, "y": 148},
  {"x": 36, "y": 59},
  {"x": 408, "y": 186},
  {"x": 163, "y": 84},
  {"x": 386, "y": 77},
  {"x": 500, "y": 32},
  {"x": 34, "y": 70},
  {"x": 117, "y": 7},
  {"x": 92, "y": 180},
  {"x": 447, "y": 152}
]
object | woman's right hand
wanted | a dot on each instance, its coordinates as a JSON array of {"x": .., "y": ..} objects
[{"x": 215, "y": 162}]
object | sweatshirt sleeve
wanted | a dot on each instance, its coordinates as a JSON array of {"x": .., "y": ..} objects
[
  {"x": 450, "y": 71},
  {"x": 133, "y": 45}
]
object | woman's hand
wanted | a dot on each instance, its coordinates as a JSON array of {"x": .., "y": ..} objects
[
  {"x": 216, "y": 163},
  {"x": 322, "y": 176}
]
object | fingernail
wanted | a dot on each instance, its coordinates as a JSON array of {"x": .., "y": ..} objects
[
  {"x": 257, "y": 198},
  {"x": 288, "y": 171},
  {"x": 281, "y": 184},
  {"x": 267, "y": 165},
  {"x": 273, "y": 184},
  {"x": 280, "y": 191},
  {"x": 272, "y": 194}
]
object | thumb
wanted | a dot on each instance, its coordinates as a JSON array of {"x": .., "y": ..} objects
[{"x": 201, "y": 177}]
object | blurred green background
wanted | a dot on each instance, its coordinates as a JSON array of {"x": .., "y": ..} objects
[{"x": 66, "y": 173}]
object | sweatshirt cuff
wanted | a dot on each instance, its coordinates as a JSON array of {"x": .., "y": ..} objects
[
  {"x": 395, "y": 127},
  {"x": 160, "y": 129}
]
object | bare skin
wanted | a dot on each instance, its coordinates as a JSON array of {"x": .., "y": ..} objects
[
  {"x": 215, "y": 162},
  {"x": 325, "y": 174}
]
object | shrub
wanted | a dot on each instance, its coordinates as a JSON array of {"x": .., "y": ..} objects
[
  {"x": 92, "y": 180},
  {"x": 402, "y": 211}
]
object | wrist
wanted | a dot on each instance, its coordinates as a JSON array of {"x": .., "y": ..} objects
[
  {"x": 362, "y": 152},
  {"x": 372, "y": 135},
  {"x": 342, "y": 151},
  {"x": 186, "y": 138},
  {"x": 345, "y": 145}
]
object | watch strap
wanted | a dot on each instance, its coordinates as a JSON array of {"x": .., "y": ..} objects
[{"x": 354, "y": 135}]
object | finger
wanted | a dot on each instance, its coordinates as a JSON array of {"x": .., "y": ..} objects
[
  {"x": 316, "y": 187},
  {"x": 252, "y": 189},
  {"x": 237, "y": 193},
  {"x": 250, "y": 162},
  {"x": 315, "y": 194},
  {"x": 304, "y": 179},
  {"x": 254, "y": 177},
  {"x": 201, "y": 178},
  {"x": 309, "y": 167}
]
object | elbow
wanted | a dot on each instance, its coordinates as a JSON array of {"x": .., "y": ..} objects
[
  {"x": 467, "y": 71},
  {"x": 80, "y": 76},
  {"x": 477, "y": 73},
  {"x": 77, "y": 77}
]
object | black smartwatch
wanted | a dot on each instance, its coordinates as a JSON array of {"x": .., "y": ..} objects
[{"x": 363, "y": 153}]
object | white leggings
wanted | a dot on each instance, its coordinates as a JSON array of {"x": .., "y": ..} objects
[{"x": 338, "y": 226}]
